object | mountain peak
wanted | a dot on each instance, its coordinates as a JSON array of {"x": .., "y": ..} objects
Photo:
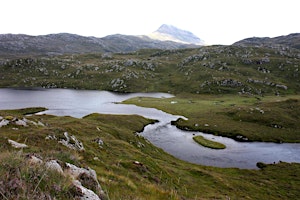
[{"x": 169, "y": 32}]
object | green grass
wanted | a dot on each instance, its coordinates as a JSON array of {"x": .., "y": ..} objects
[
  {"x": 208, "y": 143},
  {"x": 159, "y": 176},
  {"x": 269, "y": 118}
]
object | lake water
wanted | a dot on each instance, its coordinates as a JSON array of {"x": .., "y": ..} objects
[{"x": 78, "y": 103}]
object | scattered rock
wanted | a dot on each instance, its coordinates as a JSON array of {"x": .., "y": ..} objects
[
  {"x": 71, "y": 142},
  {"x": 241, "y": 138},
  {"x": 19, "y": 122},
  {"x": 50, "y": 137},
  {"x": 3, "y": 122},
  {"x": 137, "y": 163},
  {"x": 16, "y": 144},
  {"x": 99, "y": 142}
]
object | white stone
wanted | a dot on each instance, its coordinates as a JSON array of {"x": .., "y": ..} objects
[
  {"x": 4, "y": 122},
  {"x": 20, "y": 122},
  {"x": 16, "y": 144},
  {"x": 54, "y": 165}
]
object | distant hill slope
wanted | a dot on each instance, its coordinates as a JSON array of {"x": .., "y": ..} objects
[
  {"x": 14, "y": 45},
  {"x": 291, "y": 40},
  {"x": 204, "y": 70},
  {"x": 171, "y": 33}
]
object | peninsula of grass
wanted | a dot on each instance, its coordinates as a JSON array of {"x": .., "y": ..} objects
[
  {"x": 208, "y": 143},
  {"x": 242, "y": 118}
]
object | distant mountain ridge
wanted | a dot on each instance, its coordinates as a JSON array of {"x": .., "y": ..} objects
[
  {"x": 12, "y": 45},
  {"x": 172, "y": 33},
  {"x": 291, "y": 40}
]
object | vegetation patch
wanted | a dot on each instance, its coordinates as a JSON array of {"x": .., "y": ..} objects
[{"x": 208, "y": 143}]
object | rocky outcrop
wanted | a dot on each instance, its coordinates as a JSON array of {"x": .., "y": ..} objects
[
  {"x": 4, "y": 121},
  {"x": 69, "y": 141},
  {"x": 84, "y": 180}
]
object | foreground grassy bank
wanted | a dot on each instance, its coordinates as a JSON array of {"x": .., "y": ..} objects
[
  {"x": 244, "y": 118},
  {"x": 129, "y": 167}
]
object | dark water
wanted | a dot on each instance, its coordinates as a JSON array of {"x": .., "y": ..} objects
[{"x": 78, "y": 103}]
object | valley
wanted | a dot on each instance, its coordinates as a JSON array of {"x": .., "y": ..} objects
[{"x": 245, "y": 92}]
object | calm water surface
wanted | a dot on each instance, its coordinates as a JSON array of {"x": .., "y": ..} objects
[{"x": 78, "y": 103}]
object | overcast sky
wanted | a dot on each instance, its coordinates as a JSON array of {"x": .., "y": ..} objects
[{"x": 214, "y": 21}]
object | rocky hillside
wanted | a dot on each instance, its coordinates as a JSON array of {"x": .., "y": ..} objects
[
  {"x": 291, "y": 40},
  {"x": 213, "y": 70},
  {"x": 56, "y": 44},
  {"x": 171, "y": 33}
]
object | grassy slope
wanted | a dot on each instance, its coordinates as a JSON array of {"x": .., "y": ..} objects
[{"x": 159, "y": 176}]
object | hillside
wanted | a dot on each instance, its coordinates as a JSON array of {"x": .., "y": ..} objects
[
  {"x": 14, "y": 46},
  {"x": 208, "y": 70},
  {"x": 291, "y": 40}
]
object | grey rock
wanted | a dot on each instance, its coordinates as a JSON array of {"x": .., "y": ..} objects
[{"x": 16, "y": 144}]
